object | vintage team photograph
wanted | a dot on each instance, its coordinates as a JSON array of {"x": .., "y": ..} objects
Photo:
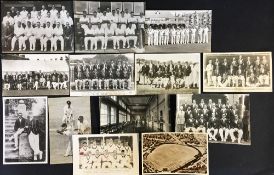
[
  {"x": 25, "y": 130},
  {"x": 109, "y": 27},
  {"x": 237, "y": 72},
  {"x": 225, "y": 117},
  {"x": 175, "y": 153},
  {"x": 37, "y": 26},
  {"x": 102, "y": 74},
  {"x": 35, "y": 74},
  {"x": 134, "y": 114},
  {"x": 167, "y": 73},
  {"x": 67, "y": 116},
  {"x": 101, "y": 154},
  {"x": 178, "y": 31}
]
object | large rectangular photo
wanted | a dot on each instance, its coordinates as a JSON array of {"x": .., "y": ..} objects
[
  {"x": 101, "y": 154},
  {"x": 35, "y": 74},
  {"x": 237, "y": 72},
  {"x": 178, "y": 31},
  {"x": 175, "y": 153},
  {"x": 25, "y": 130},
  {"x": 225, "y": 117},
  {"x": 102, "y": 74},
  {"x": 37, "y": 26},
  {"x": 134, "y": 114},
  {"x": 109, "y": 27},
  {"x": 67, "y": 116},
  {"x": 167, "y": 73}
]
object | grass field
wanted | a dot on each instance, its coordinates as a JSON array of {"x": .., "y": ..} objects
[
  {"x": 43, "y": 92},
  {"x": 171, "y": 156}
]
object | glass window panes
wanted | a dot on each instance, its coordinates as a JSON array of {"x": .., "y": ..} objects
[
  {"x": 115, "y": 5},
  {"x": 93, "y": 6},
  {"x": 104, "y": 6},
  {"x": 128, "y": 5},
  {"x": 80, "y": 6},
  {"x": 113, "y": 115},
  {"x": 139, "y": 8},
  {"x": 104, "y": 114}
]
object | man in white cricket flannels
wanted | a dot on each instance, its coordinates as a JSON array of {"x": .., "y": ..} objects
[
  {"x": 131, "y": 36},
  {"x": 161, "y": 35},
  {"x": 24, "y": 13},
  {"x": 28, "y": 19},
  {"x": 29, "y": 35},
  {"x": 200, "y": 34},
  {"x": 123, "y": 21},
  {"x": 99, "y": 36},
  {"x": 53, "y": 11},
  {"x": 182, "y": 35},
  {"x": 44, "y": 11},
  {"x": 109, "y": 36},
  {"x": 150, "y": 32},
  {"x": 49, "y": 19},
  {"x": 95, "y": 20},
  {"x": 178, "y": 35},
  {"x": 132, "y": 20},
  {"x": 187, "y": 31},
  {"x": 68, "y": 19},
  {"x": 18, "y": 36},
  {"x": 173, "y": 35},
  {"x": 114, "y": 20},
  {"x": 209, "y": 72},
  {"x": 166, "y": 35},
  {"x": 48, "y": 37},
  {"x": 127, "y": 14},
  {"x": 236, "y": 126},
  {"x": 105, "y": 20},
  {"x": 8, "y": 18},
  {"x": 205, "y": 34},
  {"x": 58, "y": 19},
  {"x": 39, "y": 18},
  {"x": 34, "y": 12},
  {"x": 89, "y": 37},
  {"x": 58, "y": 36},
  {"x": 193, "y": 34},
  {"x": 120, "y": 36},
  {"x": 63, "y": 12},
  {"x": 39, "y": 34},
  {"x": 84, "y": 20}
]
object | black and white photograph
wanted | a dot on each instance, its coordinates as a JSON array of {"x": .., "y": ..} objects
[
  {"x": 25, "y": 130},
  {"x": 67, "y": 116},
  {"x": 225, "y": 117},
  {"x": 109, "y": 27},
  {"x": 167, "y": 73},
  {"x": 101, "y": 154},
  {"x": 175, "y": 153},
  {"x": 237, "y": 72},
  {"x": 35, "y": 75},
  {"x": 102, "y": 74},
  {"x": 134, "y": 114},
  {"x": 178, "y": 31},
  {"x": 37, "y": 26}
]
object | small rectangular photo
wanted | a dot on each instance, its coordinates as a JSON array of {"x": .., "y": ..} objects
[
  {"x": 37, "y": 26},
  {"x": 35, "y": 74},
  {"x": 225, "y": 117},
  {"x": 25, "y": 130},
  {"x": 175, "y": 153},
  {"x": 102, "y": 74},
  {"x": 134, "y": 114},
  {"x": 109, "y": 27},
  {"x": 167, "y": 73},
  {"x": 178, "y": 31},
  {"x": 101, "y": 154},
  {"x": 237, "y": 72},
  {"x": 67, "y": 116}
]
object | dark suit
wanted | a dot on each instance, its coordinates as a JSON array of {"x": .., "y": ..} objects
[{"x": 19, "y": 124}]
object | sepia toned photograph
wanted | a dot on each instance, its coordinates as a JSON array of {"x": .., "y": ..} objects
[
  {"x": 102, "y": 74},
  {"x": 35, "y": 75},
  {"x": 67, "y": 116},
  {"x": 237, "y": 72},
  {"x": 225, "y": 117},
  {"x": 167, "y": 73},
  {"x": 178, "y": 31},
  {"x": 25, "y": 130},
  {"x": 175, "y": 153},
  {"x": 109, "y": 27},
  {"x": 37, "y": 26},
  {"x": 101, "y": 154},
  {"x": 134, "y": 114}
]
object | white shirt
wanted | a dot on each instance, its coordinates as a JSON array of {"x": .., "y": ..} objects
[
  {"x": 84, "y": 19},
  {"x": 59, "y": 20},
  {"x": 127, "y": 15},
  {"x": 114, "y": 19},
  {"x": 39, "y": 32},
  {"x": 48, "y": 19},
  {"x": 104, "y": 18},
  {"x": 94, "y": 19},
  {"x": 29, "y": 31},
  {"x": 109, "y": 31},
  {"x": 53, "y": 13},
  {"x": 44, "y": 12},
  {"x": 58, "y": 31},
  {"x": 123, "y": 20},
  {"x": 132, "y": 20},
  {"x": 34, "y": 14},
  {"x": 16, "y": 19},
  {"x": 100, "y": 31},
  {"x": 63, "y": 13},
  {"x": 8, "y": 19},
  {"x": 24, "y": 14},
  {"x": 141, "y": 20},
  {"x": 89, "y": 31},
  {"x": 120, "y": 31},
  {"x": 69, "y": 20},
  {"x": 19, "y": 31},
  {"x": 130, "y": 31},
  {"x": 193, "y": 31},
  {"x": 49, "y": 31}
]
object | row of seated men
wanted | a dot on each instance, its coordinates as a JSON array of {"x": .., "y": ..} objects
[
  {"x": 116, "y": 26},
  {"x": 110, "y": 155},
  {"x": 106, "y": 75},
  {"x": 35, "y": 80},
  {"x": 223, "y": 121},
  {"x": 238, "y": 72}
]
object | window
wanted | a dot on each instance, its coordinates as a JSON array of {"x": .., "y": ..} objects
[
  {"x": 103, "y": 114},
  {"x": 93, "y": 6},
  {"x": 81, "y": 6},
  {"x": 138, "y": 8},
  {"x": 113, "y": 115},
  {"x": 115, "y": 5},
  {"x": 122, "y": 116},
  {"x": 129, "y": 6},
  {"x": 113, "y": 98}
]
